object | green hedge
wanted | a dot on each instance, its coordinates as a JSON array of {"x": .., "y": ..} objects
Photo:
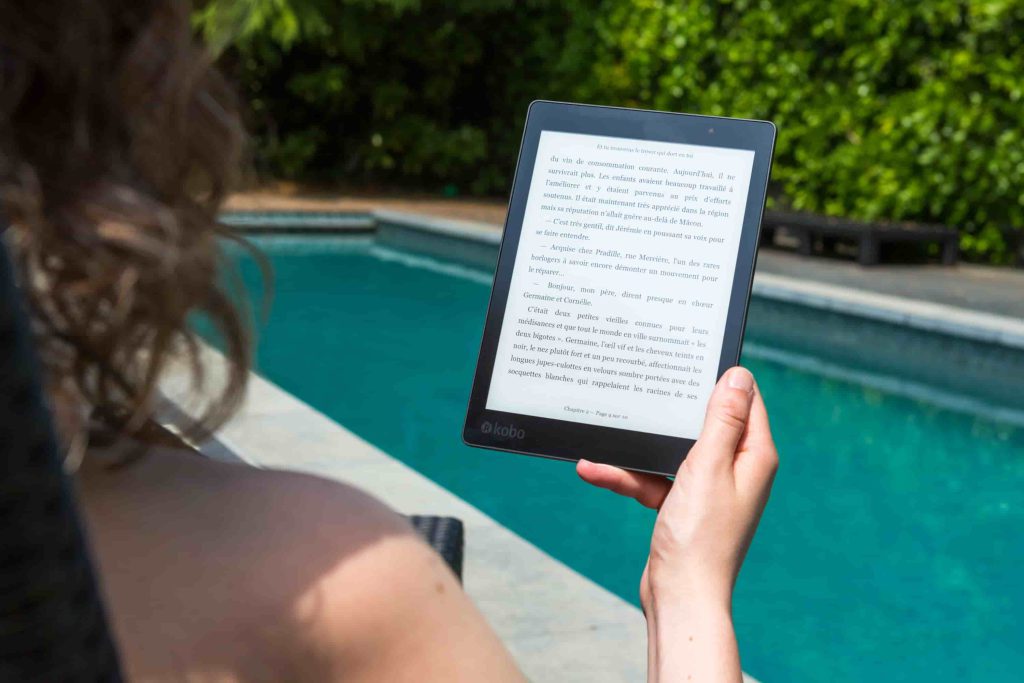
[
  {"x": 425, "y": 95},
  {"x": 886, "y": 110}
]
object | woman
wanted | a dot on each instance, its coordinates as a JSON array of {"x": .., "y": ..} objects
[{"x": 117, "y": 145}]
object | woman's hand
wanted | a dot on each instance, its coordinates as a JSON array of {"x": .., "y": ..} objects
[{"x": 706, "y": 520}]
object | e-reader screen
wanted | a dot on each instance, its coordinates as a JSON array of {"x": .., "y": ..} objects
[
  {"x": 617, "y": 306},
  {"x": 621, "y": 292}
]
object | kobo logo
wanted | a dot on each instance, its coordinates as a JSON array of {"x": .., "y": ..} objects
[{"x": 504, "y": 431}]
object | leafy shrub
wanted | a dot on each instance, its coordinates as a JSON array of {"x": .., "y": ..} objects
[
  {"x": 425, "y": 94},
  {"x": 886, "y": 110}
]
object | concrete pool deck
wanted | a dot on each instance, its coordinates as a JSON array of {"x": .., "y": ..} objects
[{"x": 559, "y": 625}]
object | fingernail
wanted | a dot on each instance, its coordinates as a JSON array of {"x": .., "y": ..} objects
[{"x": 740, "y": 378}]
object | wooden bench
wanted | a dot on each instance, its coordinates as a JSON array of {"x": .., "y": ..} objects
[{"x": 807, "y": 228}]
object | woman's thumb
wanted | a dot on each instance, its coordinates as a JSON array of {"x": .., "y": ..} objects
[{"x": 726, "y": 419}]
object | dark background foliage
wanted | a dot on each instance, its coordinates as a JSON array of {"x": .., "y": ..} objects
[{"x": 886, "y": 110}]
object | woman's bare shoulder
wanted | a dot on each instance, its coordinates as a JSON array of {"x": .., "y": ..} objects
[{"x": 255, "y": 574}]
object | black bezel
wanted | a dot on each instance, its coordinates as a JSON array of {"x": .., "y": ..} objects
[{"x": 565, "y": 440}]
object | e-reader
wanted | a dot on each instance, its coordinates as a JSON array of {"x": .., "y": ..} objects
[{"x": 622, "y": 283}]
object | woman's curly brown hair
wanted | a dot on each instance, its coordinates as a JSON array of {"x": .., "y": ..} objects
[{"x": 118, "y": 142}]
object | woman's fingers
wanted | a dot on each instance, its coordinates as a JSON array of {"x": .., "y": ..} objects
[
  {"x": 757, "y": 459},
  {"x": 725, "y": 422},
  {"x": 759, "y": 433},
  {"x": 647, "y": 489}
]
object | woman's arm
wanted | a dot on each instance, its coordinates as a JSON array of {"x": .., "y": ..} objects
[
  {"x": 390, "y": 609},
  {"x": 398, "y": 614},
  {"x": 220, "y": 571},
  {"x": 706, "y": 520},
  {"x": 691, "y": 639}
]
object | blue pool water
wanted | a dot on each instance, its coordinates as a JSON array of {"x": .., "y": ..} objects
[{"x": 892, "y": 548}]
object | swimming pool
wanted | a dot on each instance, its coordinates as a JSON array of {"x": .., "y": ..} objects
[{"x": 892, "y": 546}]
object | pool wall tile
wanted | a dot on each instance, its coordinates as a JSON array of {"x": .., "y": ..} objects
[
  {"x": 469, "y": 243},
  {"x": 987, "y": 370}
]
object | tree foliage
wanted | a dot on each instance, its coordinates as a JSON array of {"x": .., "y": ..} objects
[
  {"x": 886, "y": 110},
  {"x": 425, "y": 94}
]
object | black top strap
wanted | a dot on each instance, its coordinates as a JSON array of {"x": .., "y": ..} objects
[{"x": 52, "y": 622}]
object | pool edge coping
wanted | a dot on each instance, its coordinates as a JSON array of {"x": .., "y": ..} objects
[{"x": 923, "y": 315}]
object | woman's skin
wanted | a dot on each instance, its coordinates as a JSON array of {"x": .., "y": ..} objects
[
  {"x": 227, "y": 573},
  {"x": 217, "y": 572}
]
